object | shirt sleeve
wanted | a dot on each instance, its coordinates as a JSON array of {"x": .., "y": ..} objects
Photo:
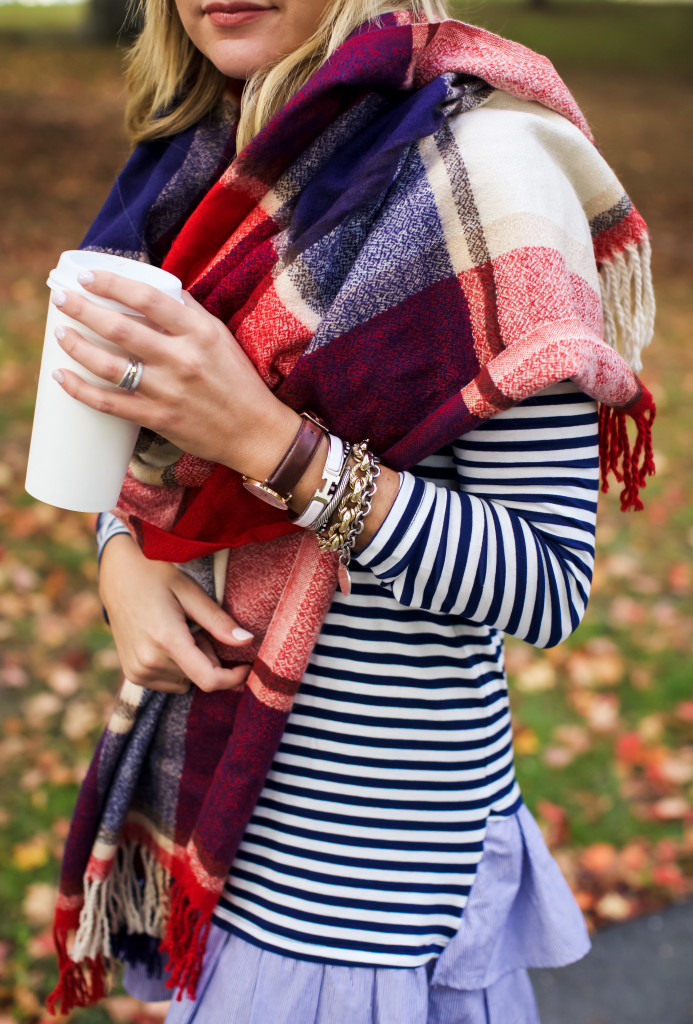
[
  {"x": 107, "y": 526},
  {"x": 512, "y": 547}
]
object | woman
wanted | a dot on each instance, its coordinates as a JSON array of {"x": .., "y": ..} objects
[{"x": 403, "y": 227}]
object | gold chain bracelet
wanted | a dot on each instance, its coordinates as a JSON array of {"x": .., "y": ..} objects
[{"x": 342, "y": 532}]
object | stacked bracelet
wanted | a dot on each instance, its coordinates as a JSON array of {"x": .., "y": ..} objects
[
  {"x": 352, "y": 510},
  {"x": 322, "y": 499},
  {"x": 338, "y": 509},
  {"x": 326, "y": 515}
]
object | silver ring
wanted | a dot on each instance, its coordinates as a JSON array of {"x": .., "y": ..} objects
[{"x": 132, "y": 376}]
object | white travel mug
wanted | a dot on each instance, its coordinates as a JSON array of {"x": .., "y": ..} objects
[{"x": 79, "y": 457}]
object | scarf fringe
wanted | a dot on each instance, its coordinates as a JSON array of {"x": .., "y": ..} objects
[
  {"x": 185, "y": 942},
  {"x": 133, "y": 897},
  {"x": 628, "y": 301},
  {"x": 79, "y": 984},
  {"x": 630, "y": 466},
  {"x": 139, "y": 897}
]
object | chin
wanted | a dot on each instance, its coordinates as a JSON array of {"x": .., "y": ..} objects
[{"x": 239, "y": 60}]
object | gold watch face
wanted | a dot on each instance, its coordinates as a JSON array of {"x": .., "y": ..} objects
[{"x": 265, "y": 493}]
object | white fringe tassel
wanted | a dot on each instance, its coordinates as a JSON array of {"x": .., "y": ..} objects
[
  {"x": 124, "y": 899},
  {"x": 628, "y": 301}
]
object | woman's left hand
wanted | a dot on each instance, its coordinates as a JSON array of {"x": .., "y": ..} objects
[{"x": 198, "y": 388}]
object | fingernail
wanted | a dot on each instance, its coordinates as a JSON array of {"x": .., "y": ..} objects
[
  {"x": 58, "y": 298},
  {"x": 86, "y": 277},
  {"x": 59, "y": 376},
  {"x": 241, "y": 634},
  {"x": 60, "y": 333}
]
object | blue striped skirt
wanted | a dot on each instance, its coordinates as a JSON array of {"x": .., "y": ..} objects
[{"x": 520, "y": 914}]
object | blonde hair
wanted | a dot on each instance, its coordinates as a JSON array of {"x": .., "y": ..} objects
[{"x": 172, "y": 85}]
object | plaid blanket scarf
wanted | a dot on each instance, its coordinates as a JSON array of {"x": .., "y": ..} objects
[{"x": 424, "y": 235}]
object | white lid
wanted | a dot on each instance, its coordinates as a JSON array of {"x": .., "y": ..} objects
[{"x": 76, "y": 261}]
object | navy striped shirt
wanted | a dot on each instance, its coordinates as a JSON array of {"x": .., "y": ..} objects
[{"x": 365, "y": 841}]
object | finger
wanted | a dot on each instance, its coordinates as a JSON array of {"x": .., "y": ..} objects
[
  {"x": 130, "y": 333},
  {"x": 175, "y": 317},
  {"x": 151, "y": 665},
  {"x": 127, "y": 405},
  {"x": 200, "y": 670},
  {"x": 200, "y": 607},
  {"x": 107, "y": 365},
  {"x": 206, "y": 646},
  {"x": 240, "y": 671}
]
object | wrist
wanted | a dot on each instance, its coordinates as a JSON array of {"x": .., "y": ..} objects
[
  {"x": 296, "y": 472},
  {"x": 117, "y": 548},
  {"x": 118, "y": 542},
  {"x": 265, "y": 445},
  {"x": 388, "y": 488}
]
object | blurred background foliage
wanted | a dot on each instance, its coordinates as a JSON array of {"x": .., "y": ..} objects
[{"x": 603, "y": 724}]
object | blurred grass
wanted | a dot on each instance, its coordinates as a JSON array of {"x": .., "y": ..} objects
[
  {"x": 642, "y": 38},
  {"x": 17, "y": 18}
]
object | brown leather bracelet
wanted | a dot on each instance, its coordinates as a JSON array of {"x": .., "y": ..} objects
[{"x": 297, "y": 457}]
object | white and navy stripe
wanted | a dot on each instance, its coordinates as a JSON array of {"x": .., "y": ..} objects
[
  {"x": 107, "y": 526},
  {"x": 364, "y": 844},
  {"x": 365, "y": 841}
]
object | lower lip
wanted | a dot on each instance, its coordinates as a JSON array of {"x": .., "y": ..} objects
[{"x": 229, "y": 19}]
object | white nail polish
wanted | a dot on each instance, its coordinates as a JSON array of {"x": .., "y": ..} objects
[
  {"x": 58, "y": 375},
  {"x": 86, "y": 277},
  {"x": 60, "y": 333},
  {"x": 58, "y": 298},
  {"x": 241, "y": 634}
]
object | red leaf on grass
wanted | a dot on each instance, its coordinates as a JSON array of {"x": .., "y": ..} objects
[
  {"x": 669, "y": 876},
  {"x": 553, "y": 822},
  {"x": 599, "y": 858},
  {"x": 629, "y": 748},
  {"x": 680, "y": 577},
  {"x": 684, "y": 711}
]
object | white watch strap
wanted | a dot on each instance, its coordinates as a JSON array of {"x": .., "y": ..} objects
[{"x": 330, "y": 477}]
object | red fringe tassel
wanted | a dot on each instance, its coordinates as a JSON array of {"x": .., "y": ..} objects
[
  {"x": 631, "y": 467},
  {"x": 185, "y": 942},
  {"x": 79, "y": 984},
  {"x": 82, "y": 984}
]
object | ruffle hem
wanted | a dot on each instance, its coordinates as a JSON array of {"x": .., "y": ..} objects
[{"x": 520, "y": 914}]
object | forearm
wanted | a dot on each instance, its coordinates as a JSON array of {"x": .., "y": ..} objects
[
  {"x": 514, "y": 548},
  {"x": 109, "y": 526}
]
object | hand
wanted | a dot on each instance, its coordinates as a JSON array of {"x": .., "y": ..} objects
[
  {"x": 149, "y": 605},
  {"x": 198, "y": 388}
]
